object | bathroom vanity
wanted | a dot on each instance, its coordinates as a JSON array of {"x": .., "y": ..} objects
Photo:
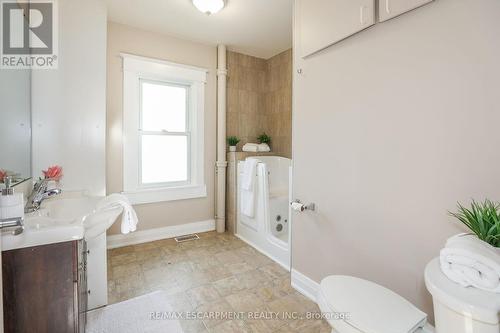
[
  {"x": 45, "y": 288},
  {"x": 55, "y": 269}
]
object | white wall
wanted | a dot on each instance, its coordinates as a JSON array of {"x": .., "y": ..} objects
[
  {"x": 15, "y": 121},
  {"x": 391, "y": 127},
  {"x": 69, "y": 104}
]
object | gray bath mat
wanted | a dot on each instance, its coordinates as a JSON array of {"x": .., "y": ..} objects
[{"x": 143, "y": 314}]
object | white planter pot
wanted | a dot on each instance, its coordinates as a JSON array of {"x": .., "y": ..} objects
[{"x": 232, "y": 148}]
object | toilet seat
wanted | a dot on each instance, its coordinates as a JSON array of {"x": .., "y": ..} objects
[{"x": 371, "y": 307}]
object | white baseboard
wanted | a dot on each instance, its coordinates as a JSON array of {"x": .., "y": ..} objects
[
  {"x": 305, "y": 285},
  {"x": 273, "y": 258},
  {"x": 150, "y": 235}
]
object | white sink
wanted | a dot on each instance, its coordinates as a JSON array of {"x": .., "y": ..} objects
[
  {"x": 69, "y": 208},
  {"x": 63, "y": 218},
  {"x": 67, "y": 217}
]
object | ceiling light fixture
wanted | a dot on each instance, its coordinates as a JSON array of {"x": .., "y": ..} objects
[{"x": 209, "y": 6}]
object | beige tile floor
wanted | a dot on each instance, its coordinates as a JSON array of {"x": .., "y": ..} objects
[{"x": 217, "y": 273}]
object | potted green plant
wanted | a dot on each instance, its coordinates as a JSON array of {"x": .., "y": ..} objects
[
  {"x": 264, "y": 138},
  {"x": 232, "y": 141},
  {"x": 483, "y": 219}
]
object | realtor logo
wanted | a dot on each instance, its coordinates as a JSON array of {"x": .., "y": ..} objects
[{"x": 29, "y": 34}]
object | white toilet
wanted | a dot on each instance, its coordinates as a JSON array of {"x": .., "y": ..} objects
[
  {"x": 371, "y": 308},
  {"x": 458, "y": 309}
]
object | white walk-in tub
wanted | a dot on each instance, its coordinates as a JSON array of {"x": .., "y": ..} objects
[{"x": 268, "y": 230}]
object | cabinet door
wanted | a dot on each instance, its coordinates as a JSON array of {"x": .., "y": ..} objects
[
  {"x": 326, "y": 22},
  {"x": 38, "y": 289},
  {"x": 388, "y": 9}
]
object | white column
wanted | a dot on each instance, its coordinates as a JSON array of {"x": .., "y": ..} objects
[{"x": 221, "y": 165}]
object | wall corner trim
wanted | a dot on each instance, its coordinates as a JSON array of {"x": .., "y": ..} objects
[
  {"x": 305, "y": 285},
  {"x": 150, "y": 235}
]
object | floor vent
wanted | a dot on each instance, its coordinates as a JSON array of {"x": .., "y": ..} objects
[{"x": 186, "y": 238}]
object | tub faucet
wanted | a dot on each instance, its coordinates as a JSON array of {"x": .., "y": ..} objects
[{"x": 39, "y": 194}]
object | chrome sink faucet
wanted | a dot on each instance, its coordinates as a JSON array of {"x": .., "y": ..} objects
[{"x": 40, "y": 193}]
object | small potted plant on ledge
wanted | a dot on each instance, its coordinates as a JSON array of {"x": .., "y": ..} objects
[
  {"x": 232, "y": 142},
  {"x": 483, "y": 219},
  {"x": 264, "y": 138},
  {"x": 264, "y": 143}
]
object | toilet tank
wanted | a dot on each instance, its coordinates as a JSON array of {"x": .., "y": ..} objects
[{"x": 458, "y": 309}]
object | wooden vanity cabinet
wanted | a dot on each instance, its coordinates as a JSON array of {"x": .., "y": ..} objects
[{"x": 45, "y": 288}]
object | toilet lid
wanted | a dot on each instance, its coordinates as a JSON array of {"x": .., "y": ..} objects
[{"x": 370, "y": 308}]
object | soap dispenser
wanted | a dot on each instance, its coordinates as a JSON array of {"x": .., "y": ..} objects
[{"x": 11, "y": 204}]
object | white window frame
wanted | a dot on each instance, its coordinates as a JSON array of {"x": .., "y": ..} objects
[{"x": 136, "y": 70}]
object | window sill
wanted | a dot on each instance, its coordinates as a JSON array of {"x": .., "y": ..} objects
[{"x": 166, "y": 194}]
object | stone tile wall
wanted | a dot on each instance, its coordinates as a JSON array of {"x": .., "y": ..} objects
[{"x": 259, "y": 99}]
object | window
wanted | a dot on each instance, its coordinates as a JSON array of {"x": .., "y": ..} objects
[
  {"x": 163, "y": 130},
  {"x": 164, "y": 134}
]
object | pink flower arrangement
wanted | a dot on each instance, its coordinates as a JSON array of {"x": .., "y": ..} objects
[
  {"x": 53, "y": 172},
  {"x": 3, "y": 174}
]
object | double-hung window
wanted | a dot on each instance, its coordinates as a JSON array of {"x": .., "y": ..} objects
[
  {"x": 164, "y": 134},
  {"x": 163, "y": 107}
]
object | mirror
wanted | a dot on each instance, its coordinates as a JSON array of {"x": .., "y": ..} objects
[{"x": 15, "y": 124}]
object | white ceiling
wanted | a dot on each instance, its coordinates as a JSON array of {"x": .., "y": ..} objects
[{"x": 262, "y": 28}]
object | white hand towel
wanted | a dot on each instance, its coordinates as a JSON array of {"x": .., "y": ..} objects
[
  {"x": 249, "y": 172},
  {"x": 471, "y": 262},
  {"x": 264, "y": 147},
  {"x": 247, "y": 202},
  {"x": 250, "y": 147},
  {"x": 129, "y": 217}
]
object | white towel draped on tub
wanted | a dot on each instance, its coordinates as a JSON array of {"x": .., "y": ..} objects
[
  {"x": 471, "y": 262},
  {"x": 129, "y": 217},
  {"x": 248, "y": 187}
]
